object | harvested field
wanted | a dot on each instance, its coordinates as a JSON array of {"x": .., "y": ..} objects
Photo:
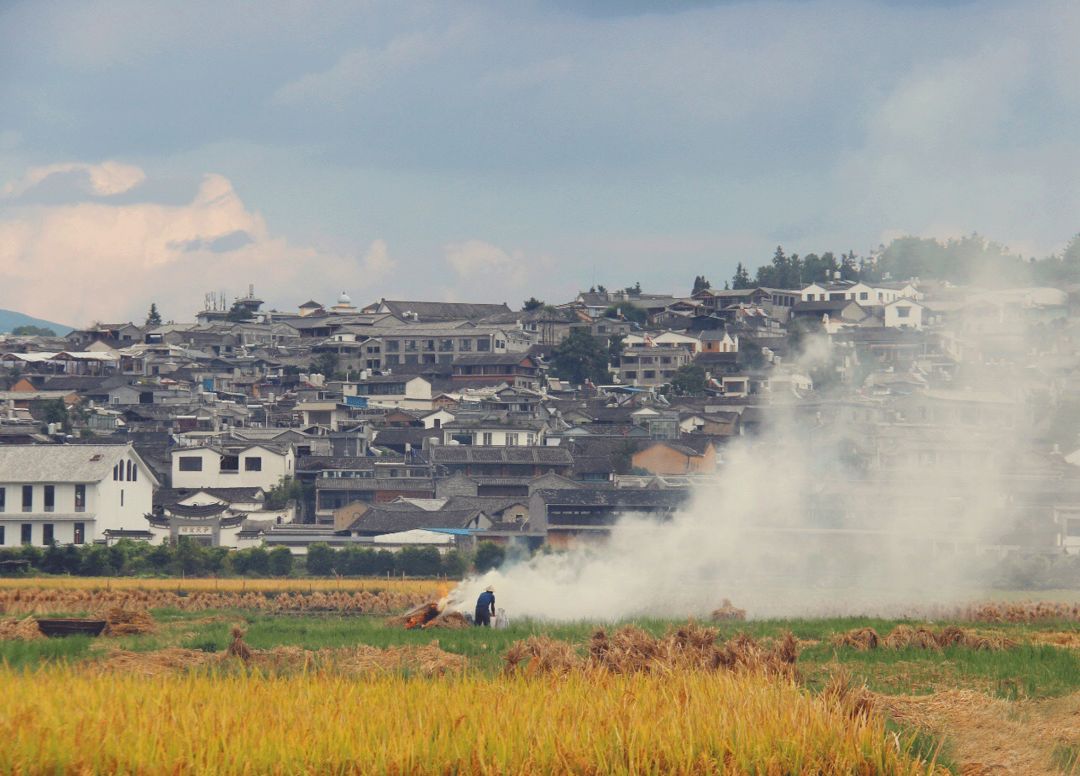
[
  {"x": 1031, "y": 611},
  {"x": 631, "y": 650},
  {"x": 684, "y": 722},
  {"x": 26, "y": 629},
  {"x": 243, "y": 585},
  {"x": 21, "y": 601},
  {"x": 922, "y": 637}
]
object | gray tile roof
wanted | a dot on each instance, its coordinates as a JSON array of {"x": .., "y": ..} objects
[{"x": 59, "y": 463}]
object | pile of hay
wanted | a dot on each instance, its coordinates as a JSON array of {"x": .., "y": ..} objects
[
  {"x": 163, "y": 661},
  {"x": 428, "y": 660},
  {"x": 632, "y": 650},
  {"x": 862, "y": 639},
  {"x": 25, "y": 629},
  {"x": 728, "y": 612},
  {"x": 128, "y": 622},
  {"x": 922, "y": 637},
  {"x": 449, "y": 620}
]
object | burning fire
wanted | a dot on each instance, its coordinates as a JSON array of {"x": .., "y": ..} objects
[{"x": 425, "y": 613}]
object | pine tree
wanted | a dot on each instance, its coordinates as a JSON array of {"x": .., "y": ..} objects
[
  {"x": 153, "y": 318},
  {"x": 741, "y": 279}
]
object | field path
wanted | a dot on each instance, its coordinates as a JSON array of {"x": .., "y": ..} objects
[{"x": 990, "y": 736}]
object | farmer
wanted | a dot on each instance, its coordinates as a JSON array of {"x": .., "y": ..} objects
[{"x": 485, "y": 607}]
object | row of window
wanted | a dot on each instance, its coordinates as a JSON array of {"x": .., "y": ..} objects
[
  {"x": 48, "y": 498},
  {"x": 229, "y": 463},
  {"x": 483, "y": 345},
  {"x": 648, "y": 374},
  {"x": 48, "y": 534},
  {"x": 128, "y": 473},
  {"x": 512, "y": 440}
]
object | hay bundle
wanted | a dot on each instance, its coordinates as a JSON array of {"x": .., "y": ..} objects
[
  {"x": 429, "y": 660},
  {"x": 237, "y": 648},
  {"x": 903, "y": 636},
  {"x": 745, "y": 653},
  {"x": 541, "y": 655},
  {"x": 128, "y": 622},
  {"x": 449, "y": 620},
  {"x": 862, "y": 639},
  {"x": 25, "y": 629},
  {"x": 163, "y": 661},
  {"x": 727, "y": 612}
]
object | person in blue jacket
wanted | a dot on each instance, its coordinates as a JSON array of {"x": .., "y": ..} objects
[{"x": 485, "y": 607}]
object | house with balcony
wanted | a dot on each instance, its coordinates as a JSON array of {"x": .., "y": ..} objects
[{"x": 72, "y": 494}]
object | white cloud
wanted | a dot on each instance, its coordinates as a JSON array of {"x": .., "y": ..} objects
[
  {"x": 105, "y": 179},
  {"x": 75, "y": 263}
]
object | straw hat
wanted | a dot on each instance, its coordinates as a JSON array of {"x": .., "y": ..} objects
[{"x": 489, "y": 589}]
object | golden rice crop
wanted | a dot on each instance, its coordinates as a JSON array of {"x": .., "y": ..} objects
[
  {"x": 228, "y": 585},
  {"x": 48, "y": 600},
  {"x": 61, "y": 720}
]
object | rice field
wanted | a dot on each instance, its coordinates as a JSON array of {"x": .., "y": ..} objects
[
  {"x": 230, "y": 585},
  {"x": 59, "y": 720}
]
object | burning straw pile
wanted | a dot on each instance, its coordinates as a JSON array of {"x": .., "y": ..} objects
[
  {"x": 431, "y": 614},
  {"x": 630, "y": 649},
  {"x": 921, "y": 637}
]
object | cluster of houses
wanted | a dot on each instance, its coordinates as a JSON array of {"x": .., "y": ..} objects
[{"x": 443, "y": 424}]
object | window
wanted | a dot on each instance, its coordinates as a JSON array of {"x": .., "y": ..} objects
[
  {"x": 483, "y": 345},
  {"x": 2, "y": 542},
  {"x": 465, "y": 345},
  {"x": 649, "y": 374},
  {"x": 429, "y": 344},
  {"x": 511, "y": 440},
  {"x": 116, "y": 472},
  {"x": 392, "y": 346},
  {"x": 50, "y": 499},
  {"x": 486, "y": 439},
  {"x": 27, "y": 533},
  {"x": 530, "y": 439},
  {"x": 446, "y": 345},
  {"x": 27, "y": 498},
  {"x": 230, "y": 464},
  {"x": 190, "y": 463},
  {"x": 134, "y": 472},
  {"x": 903, "y": 312},
  {"x": 410, "y": 345},
  {"x": 631, "y": 375},
  {"x": 863, "y": 296},
  {"x": 3, "y": 499},
  {"x": 47, "y": 535},
  {"x": 80, "y": 498},
  {"x": 392, "y": 360},
  {"x": 129, "y": 465},
  {"x": 80, "y": 533},
  {"x": 121, "y": 497},
  {"x": 253, "y": 464}
]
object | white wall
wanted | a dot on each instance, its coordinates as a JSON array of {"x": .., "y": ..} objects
[{"x": 274, "y": 467}]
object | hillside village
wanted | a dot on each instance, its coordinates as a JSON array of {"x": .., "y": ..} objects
[{"x": 404, "y": 423}]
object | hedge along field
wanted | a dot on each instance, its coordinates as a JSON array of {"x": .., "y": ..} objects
[{"x": 60, "y": 720}]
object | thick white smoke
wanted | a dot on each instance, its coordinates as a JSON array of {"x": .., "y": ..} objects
[{"x": 846, "y": 507}]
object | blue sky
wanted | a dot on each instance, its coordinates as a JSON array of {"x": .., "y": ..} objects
[{"x": 494, "y": 150}]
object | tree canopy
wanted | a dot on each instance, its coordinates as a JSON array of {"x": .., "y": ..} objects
[{"x": 581, "y": 357}]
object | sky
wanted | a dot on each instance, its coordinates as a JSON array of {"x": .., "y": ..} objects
[{"x": 493, "y": 151}]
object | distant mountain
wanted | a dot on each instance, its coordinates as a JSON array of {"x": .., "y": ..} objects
[{"x": 9, "y": 319}]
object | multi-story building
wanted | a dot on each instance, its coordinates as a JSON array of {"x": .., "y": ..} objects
[
  {"x": 650, "y": 366},
  {"x": 71, "y": 494}
]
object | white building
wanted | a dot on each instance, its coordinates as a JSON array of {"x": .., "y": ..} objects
[
  {"x": 232, "y": 466},
  {"x": 71, "y": 494},
  {"x": 904, "y": 314}
]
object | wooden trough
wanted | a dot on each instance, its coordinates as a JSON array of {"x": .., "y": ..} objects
[{"x": 54, "y": 628}]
